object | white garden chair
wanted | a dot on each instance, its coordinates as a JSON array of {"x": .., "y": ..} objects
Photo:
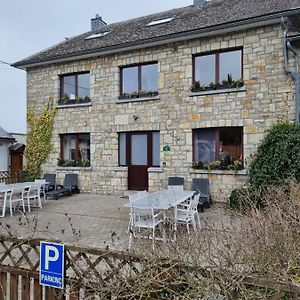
[
  {"x": 142, "y": 219},
  {"x": 5, "y": 199},
  {"x": 188, "y": 215},
  {"x": 17, "y": 198},
  {"x": 33, "y": 196}
]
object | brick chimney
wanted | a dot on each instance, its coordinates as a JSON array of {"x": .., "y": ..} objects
[
  {"x": 199, "y": 2},
  {"x": 97, "y": 22}
]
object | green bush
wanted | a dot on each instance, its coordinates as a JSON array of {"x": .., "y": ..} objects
[{"x": 278, "y": 156}]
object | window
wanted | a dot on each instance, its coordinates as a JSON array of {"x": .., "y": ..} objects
[
  {"x": 140, "y": 148},
  {"x": 220, "y": 69},
  {"x": 75, "y": 88},
  {"x": 224, "y": 144},
  {"x": 75, "y": 150},
  {"x": 139, "y": 81},
  {"x": 159, "y": 21},
  {"x": 97, "y": 35}
]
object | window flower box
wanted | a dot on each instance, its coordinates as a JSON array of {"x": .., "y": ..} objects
[
  {"x": 73, "y": 163},
  {"x": 136, "y": 95},
  {"x": 78, "y": 100}
]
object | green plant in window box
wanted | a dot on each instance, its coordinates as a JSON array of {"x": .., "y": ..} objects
[
  {"x": 213, "y": 86},
  {"x": 60, "y": 162},
  {"x": 78, "y": 99},
  {"x": 65, "y": 98},
  {"x": 213, "y": 165},
  {"x": 197, "y": 87},
  {"x": 124, "y": 96},
  {"x": 197, "y": 164},
  {"x": 235, "y": 166},
  {"x": 134, "y": 95}
]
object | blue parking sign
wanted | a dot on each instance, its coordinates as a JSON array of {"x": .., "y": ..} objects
[{"x": 52, "y": 262}]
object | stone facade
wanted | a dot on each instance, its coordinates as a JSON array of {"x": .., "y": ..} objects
[{"x": 267, "y": 95}]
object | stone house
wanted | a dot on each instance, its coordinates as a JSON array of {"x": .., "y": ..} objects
[{"x": 148, "y": 98}]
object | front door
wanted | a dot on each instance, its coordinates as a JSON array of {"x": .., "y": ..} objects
[
  {"x": 138, "y": 162},
  {"x": 138, "y": 151}
]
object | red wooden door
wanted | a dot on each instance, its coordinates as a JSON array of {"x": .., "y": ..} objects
[{"x": 138, "y": 160}]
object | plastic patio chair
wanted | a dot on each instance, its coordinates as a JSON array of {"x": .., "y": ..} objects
[
  {"x": 51, "y": 178},
  {"x": 189, "y": 214},
  {"x": 201, "y": 186},
  {"x": 33, "y": 195},
  {"x": 174, "y": 181},
  {"x": 68, "y": 188},
  {"x": 144, "y": 218}
]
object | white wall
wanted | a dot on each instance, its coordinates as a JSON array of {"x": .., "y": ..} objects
[{"x": 4, "y": 155}]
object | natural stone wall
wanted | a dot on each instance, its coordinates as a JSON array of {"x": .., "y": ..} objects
[{"x": 268, "y": 94}]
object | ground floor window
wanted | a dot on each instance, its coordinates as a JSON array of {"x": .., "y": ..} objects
[
  {"x": 75, "y": 150},
  {"x": 139, "y": 148},
  {"x": 221, "y": 146}
]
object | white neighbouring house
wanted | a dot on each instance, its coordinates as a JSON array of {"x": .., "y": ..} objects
[{"x": 6, "y": 141}]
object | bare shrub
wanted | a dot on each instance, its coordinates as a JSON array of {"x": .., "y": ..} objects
[{"x": 220, "y": 260}]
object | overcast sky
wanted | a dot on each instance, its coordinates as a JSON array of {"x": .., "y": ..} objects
[{"x": 29, "y": 26}]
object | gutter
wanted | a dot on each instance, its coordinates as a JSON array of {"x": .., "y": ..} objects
[{"x": 175, "y": 37}]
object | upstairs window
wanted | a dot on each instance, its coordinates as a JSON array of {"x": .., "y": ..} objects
[
  {"x": 75, "y": 150},
  {"x": 218, "y": 70},
  {"x": 218, "y": 147},
  {"x": 75, "y": 88},
  {"x": 139, "y": 81}
]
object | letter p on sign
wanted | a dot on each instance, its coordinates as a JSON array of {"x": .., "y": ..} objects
[{"x": 53, "y": 257}]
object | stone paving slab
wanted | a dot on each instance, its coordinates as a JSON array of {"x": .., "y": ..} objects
[{"x": 87, "y": 220}]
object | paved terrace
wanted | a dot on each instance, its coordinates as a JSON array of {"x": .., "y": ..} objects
[{"x": 87, "y": 220}]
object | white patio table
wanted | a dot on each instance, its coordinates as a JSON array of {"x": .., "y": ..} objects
[
  {"x": 164, "y": 200},
  {"x": 15, "y": 188}
]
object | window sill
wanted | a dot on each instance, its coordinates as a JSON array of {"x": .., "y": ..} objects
[
  {"x": 155, "y": 170},
  {"x": 219, "y": 172},
  {"x": 121, "y": 169},
  {"x": 120, "y": 101},
  {"x": 73, "y": 105},
  {"x": 74, "y": 168},
  {"x": 214, "y": 92}
]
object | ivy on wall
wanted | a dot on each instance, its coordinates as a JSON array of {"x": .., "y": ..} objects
[
  {"x": 278, "y": 156},
  {"x": 39, "y": 136}
]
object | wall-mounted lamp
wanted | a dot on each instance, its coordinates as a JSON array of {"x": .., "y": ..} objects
[{"x": 135, "y": 117}]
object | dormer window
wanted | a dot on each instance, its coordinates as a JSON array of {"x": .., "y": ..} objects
[
  {"x": 160, "y": 21},
  {"x": 97, "y": 35}
]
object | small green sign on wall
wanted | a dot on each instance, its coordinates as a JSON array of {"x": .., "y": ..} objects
[{"x": 166, "y": 149}]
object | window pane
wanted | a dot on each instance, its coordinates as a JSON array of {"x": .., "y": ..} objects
[
  {"x": 205, "y": 69},
  {"x": 149, "y": 77},
  {"x": 69, "y": 86},
  {"x": 156, "y": 149},
  {"x": 205, "y": 145},
  {"x": 69, "y": 146},
  {"x": 122, "y": 149},
  {"x": 231, "y": 144},
  {"x": 130, "y": 80},
  {"x": 84, "y": 85},
  {"x": 84, "y": 147},
  {"x": 76, "y": 147},
  {"x": 230, "y": 64},
  {"x": 139, "y": 149}
]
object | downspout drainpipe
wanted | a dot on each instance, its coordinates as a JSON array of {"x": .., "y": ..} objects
[{"x": 295, "y": 73}]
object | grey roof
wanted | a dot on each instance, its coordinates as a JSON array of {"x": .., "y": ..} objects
[
  {"x": 4, "y": 135},
  {"x": 16, "y": 147},
  {"x": 187, "y": 20}
]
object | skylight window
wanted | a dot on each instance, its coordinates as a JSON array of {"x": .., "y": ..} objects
[
  {"x": 160, "y": 21},
  {"x": 96, "y": 35}
]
